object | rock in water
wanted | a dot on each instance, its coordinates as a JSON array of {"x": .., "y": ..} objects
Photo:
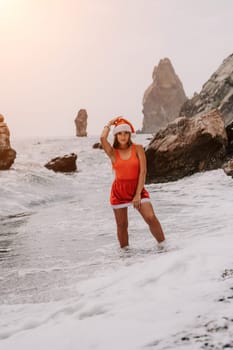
[
  {"x": 97, "y": 145},
  {"x": 186, "y": 146},
  {"x": 7, "y": 154},
  {"x": 81, "y": 123},
  {"x": 64, "y": 164},
  {"x": 163, "y": 98}
]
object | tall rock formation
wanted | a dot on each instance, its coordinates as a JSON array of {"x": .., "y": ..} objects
[
  {"x": 7, "y": 154},
  {"x": 163, "y": 98},
  {"x": 217, "y": 92},
  {"x": 81, "y": 123}
]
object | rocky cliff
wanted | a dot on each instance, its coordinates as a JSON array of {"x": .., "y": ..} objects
[
  {"x": 186, "y": 146},
  {"x": 163, "y": 98},
  {"x": 217, "y": 92}
]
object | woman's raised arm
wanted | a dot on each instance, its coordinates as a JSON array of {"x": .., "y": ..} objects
[{"x": 104, "y": 139}]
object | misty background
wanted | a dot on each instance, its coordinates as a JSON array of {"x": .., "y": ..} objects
[{"x": 58, "y": 56}]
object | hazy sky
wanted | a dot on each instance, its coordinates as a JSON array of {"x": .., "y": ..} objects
[{"x": 58, "y": 56}]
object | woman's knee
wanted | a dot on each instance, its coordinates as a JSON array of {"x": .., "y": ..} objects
[
  {"x": 122, "y": 226},
  {"x": 121, "y": 217},
  {"x": 150, "y": 219}
]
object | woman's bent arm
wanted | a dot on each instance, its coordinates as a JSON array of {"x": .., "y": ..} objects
[
  {"x": 142, "y": 172},
  {"x": 104, "y": 139}
]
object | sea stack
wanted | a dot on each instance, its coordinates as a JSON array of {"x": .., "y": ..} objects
[
  {"x": 7, "y": 154},
  {"x": 81, "y": 123},
  {"x": 163, "y": 99}
]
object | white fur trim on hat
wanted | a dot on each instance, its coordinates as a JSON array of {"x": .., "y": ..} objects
[{"x": 122, "y": 127}]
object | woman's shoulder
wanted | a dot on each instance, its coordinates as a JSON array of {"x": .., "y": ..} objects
[
  {"x": 139, "y": 149},
  {"x": 138, "y": 146}
]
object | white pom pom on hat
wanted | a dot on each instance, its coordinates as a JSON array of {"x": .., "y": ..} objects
[{"x": 123, "y": 124}]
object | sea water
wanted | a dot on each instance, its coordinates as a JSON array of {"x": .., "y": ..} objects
[{"x": 64, "y": 281}]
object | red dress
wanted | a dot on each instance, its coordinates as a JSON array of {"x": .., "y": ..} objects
[{"x": 126, "y": 179}]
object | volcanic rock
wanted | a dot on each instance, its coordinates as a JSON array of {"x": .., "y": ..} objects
[
  {"x": 81, "y": 123},
  {"x": 7, "y": 154},
  {"x": 163, "y": 98},
  {"x": 187, "y": 146},
  {"x": 64, "y": 164}
]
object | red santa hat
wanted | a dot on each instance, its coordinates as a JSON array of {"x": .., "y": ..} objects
[{"x": 122, "y": 124}]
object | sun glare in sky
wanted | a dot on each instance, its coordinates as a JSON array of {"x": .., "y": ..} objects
[
  {"x": 59, "y": 56},
  {"x": 8, "y": 13},
  {"x": 5, "y": 4}
]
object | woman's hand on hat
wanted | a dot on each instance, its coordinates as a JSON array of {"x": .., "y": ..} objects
[{"x": 113, "y": 121}]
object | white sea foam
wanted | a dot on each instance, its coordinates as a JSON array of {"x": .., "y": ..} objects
[{"x": 65, "y": 284}]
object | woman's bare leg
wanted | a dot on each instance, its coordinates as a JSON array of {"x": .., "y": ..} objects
[
  {"x": 147, "y": 212},
  {"x": 121, "y": 216}
]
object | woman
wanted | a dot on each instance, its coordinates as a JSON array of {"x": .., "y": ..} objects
[{"x": 129, "y": 162}]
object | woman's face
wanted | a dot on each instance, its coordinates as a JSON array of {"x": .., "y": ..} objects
[{"x": 123, "y": 137}]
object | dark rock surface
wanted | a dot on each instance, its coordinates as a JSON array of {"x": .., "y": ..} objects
[
  {"x": 67, "y": 163},
  {"x": 97, "y": 145},
  {"x": 228, "y": 168},
  {"x": 186, "y": 146},
  {"x": 229, "y": 130}
]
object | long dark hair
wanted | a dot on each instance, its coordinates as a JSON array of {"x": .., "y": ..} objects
[{"x": 116, "y": 143}]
